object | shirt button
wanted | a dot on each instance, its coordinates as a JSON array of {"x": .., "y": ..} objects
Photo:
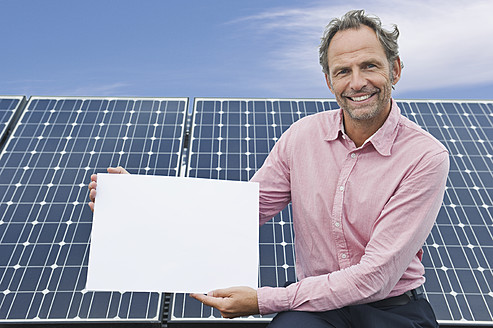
[
  {"x": 343, "y": 256},
  {"x": 337, "y": 224},
  {"x": 341, "y": 188},
  {"x": 353, "y": 155}
]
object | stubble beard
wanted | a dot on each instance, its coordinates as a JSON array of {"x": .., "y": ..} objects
[{"x": 370, "y": 111}]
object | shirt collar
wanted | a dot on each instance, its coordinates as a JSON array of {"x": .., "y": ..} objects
[
  {"x": 382, "y": 140},
  {"x": 335, "y": 126}
]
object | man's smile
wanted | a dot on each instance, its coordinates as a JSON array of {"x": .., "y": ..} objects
[{"x": 361, "y": 97}]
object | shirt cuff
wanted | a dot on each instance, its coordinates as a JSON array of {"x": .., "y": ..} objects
[{"x": 272, "y": 300}]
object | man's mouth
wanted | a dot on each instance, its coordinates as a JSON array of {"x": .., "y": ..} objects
[{"x": 361, "y": 98}]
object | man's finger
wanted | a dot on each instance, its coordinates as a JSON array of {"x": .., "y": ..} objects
[
  {"x": 207, "y": 300},
  {"x": 92, "y": 185},
  {"x": 231, "y": 302},
  {"x": 91, "y": 205},
  {"x": 94, "y": 177},
  {"x": 117, "y": 170},
  {"x": 92, "y": 195},
  {"x": 226, "y": 292}
]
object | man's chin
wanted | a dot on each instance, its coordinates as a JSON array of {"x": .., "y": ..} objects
[
  {"x": 361, "y": 112},
  {"x": 362, "y": 116}
]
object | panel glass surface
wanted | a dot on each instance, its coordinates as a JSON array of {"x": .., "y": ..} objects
[
  {"x": 45, "y": 222},
  {"x": 458, "y": 255},
  {"x": 231, "y": 138},
  {"x": 8, "y": 107}
]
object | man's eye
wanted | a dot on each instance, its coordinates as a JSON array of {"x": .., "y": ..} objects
[
  {"x": 371, "y": 66},
  {"x": 342, "y": 72}
]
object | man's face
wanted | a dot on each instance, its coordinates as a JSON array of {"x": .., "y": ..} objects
[{"x": 360, "y": 74}]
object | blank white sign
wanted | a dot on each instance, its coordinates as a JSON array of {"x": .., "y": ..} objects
[{"x": 170, "y": 234}]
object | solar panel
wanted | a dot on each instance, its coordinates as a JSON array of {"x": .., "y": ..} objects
[
  {"x": 231, "y": 138},
  {"x": 459, "y": 250},
  {"x": 10, "y": 107},
  {"x": 45, "y": 222}
]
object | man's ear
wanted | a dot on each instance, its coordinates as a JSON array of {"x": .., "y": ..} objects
[
  {"x": 396, "y": 70},
  {"x": 327, "y": 80}
]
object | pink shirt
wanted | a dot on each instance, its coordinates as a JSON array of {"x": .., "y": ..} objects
[{"x": 361, "y": 215}]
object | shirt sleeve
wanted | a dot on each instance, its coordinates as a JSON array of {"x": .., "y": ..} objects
[
  {"x": 397, "y": 237},
  {"x": 274, "y": 180}
]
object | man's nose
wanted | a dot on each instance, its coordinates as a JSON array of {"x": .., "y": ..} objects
[{"x": 358, "y": 81}]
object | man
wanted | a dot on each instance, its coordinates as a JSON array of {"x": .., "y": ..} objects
[{"x": 366, "y": 185}]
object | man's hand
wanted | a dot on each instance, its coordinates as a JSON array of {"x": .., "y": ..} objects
[
  {"x": 94, "y": 183},
  {"x": 231, "y": 302}
]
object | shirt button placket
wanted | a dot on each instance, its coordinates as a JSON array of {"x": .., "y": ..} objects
[{"x": 337, "y": 230}]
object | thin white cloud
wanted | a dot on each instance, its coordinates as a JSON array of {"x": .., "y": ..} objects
[
  {"x": 55, "y": 88},
  {"x": 111, "y": 89},
  {"x": 442, "y": 43}
]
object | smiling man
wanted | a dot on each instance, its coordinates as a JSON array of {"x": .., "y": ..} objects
[
  {"x": 361, "y": 76},
  {"x": 366, "y": 185}
]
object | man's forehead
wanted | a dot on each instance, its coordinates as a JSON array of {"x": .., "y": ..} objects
[
  {"x": 353, "y": 41},
  {"x": 346, "y": 37}
]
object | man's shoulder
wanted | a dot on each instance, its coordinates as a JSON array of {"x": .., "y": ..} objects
[
  {"x": 314, "y": 126},
  {"x": 418, "y": 137},
  {"x": 326, "y": 118}
]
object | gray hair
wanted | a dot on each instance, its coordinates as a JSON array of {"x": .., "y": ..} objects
[{"x": 353, "y": 20}]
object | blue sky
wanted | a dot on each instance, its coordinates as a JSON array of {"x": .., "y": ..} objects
[{"x": 230, "y": 48}]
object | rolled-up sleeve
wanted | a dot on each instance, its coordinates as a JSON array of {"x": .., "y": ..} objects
[{"x": 274, "y": 180}]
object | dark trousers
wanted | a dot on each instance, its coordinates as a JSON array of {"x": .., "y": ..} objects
[{"x": 416, "y": 313}]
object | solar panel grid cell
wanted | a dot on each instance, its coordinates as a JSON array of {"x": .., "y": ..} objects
[
  {"x": 458, "y": 252},
  {"x": 45, "y": 223}
]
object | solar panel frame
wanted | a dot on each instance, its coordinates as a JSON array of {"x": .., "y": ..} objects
[
  {"x": 10, "y": 110},
  {"x": 77, "y": 126},
  {"x": 471, "y": 124}
]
